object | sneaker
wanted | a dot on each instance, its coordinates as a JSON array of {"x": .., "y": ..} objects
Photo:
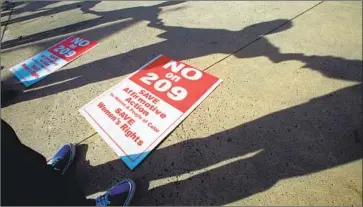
[
  {"x": 63, "y": 158},
  {"x": 119, "y": 195}
]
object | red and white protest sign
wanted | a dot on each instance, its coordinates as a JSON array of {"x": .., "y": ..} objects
[
  {"x": 72, "y": 47},
  {"x": 48, "y": 61},
  {"x": 134, "y": 116}
]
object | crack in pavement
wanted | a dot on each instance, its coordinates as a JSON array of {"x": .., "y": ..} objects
[{"x": 261, "y": 36}]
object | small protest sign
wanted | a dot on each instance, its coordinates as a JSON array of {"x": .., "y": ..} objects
[
  {"x": 135, "y": 115},
  {"x": 48, "y": 61}
]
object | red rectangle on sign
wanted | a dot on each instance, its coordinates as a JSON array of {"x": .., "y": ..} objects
[
  {"x": 72, "y": 47},
  {"x": 176, "y": 83}
]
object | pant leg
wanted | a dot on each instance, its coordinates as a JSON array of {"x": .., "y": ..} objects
[{"x": 26, "y": 179}]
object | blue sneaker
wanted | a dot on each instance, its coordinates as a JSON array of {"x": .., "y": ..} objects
[
  {"x": 119, "y": 195},
  {"x": 63, "y": 158}
]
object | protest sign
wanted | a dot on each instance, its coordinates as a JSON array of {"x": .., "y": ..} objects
[
  {"x": 135, "y": 115},
  {"x": 46, "y": 62}
]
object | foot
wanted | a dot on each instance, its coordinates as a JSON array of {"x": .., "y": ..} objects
[
  {"x": 119, "y": 195},
  {"x": 63, "y": 158}
]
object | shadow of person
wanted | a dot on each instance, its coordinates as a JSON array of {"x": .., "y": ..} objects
[
  {"x": 180, "y": 43},
  {"x": 39, "y": 6},
  {"x": 323, "y": 133},
  {"x": 187, "y": 43},
  {"x": 140, "y": 13},
  {"x": 31, "y": 7},
  {"x": 8, "y": 8},
  {"x": 329, "y": 66}
]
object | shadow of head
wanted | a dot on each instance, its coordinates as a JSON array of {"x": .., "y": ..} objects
[
  {"x": 264, "y": 47},
  {"x": 274, "y": 26}
]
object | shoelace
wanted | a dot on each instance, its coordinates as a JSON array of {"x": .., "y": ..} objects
[
  {"x": 103, "y": 200},
  {"x": 54, "y": 162}
]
